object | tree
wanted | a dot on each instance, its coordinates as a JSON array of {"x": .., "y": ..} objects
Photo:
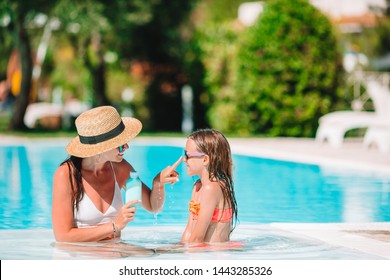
[
  {"x": 85, "y": 25},
  {"x": 380, "y": 42},
  {"x": 21, "y": 14},
  {"x": 288, "y": 71},
  {"x": 143, "y": 33},
  {"x": 219, "y": 43},
  {"x": 214, "y": 50},
  {"x": 157, "y": 46},
  {"x": 149, "y": 33}
]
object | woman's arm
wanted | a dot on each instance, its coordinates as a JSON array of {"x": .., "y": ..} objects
[{"x": 153, "y": 199}]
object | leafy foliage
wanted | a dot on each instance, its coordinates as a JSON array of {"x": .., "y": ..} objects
[
  {"x": 287, "y": 74},
  {"x": 220, "y": 48}
]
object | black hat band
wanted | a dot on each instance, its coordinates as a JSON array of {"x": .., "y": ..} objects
[{"x": 103, "y": 137}]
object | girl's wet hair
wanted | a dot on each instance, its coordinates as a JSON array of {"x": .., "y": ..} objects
[{"x": 215, "y": 145}]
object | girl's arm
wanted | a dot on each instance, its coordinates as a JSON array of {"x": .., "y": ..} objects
[
  {"x": 208, "y": 203},
  {"x": 187, "y": 231}
]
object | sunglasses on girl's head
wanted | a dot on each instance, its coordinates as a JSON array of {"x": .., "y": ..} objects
[{"x": 188, "y": 155}]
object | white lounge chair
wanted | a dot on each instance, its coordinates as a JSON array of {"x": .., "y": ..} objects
[
  {"x": 41, "y": 110},
  {"x": 378, "y": 133},
  {"x": 334, "y": 125},
  {"x": 52, "y": 114}
]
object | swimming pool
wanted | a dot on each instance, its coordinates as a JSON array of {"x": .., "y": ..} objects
[{"x": 267, "y": 191}]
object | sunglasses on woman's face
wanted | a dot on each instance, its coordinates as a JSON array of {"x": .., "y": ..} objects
[{"x": 122, "y": 148}]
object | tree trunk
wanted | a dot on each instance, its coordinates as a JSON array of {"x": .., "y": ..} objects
[
  {"x": 96, "y": 65},
  {"x": 99, "y": 85},
  {"x": 22, "y": 99}
]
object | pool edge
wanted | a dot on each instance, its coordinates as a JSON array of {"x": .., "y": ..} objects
[{"x": 344, "y": 234}]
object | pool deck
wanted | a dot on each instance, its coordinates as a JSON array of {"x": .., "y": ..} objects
[
  {"x": 351, "y": 154},
  {"x": 372, "y": 238}
]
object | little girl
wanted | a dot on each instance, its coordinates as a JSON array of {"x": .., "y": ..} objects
[{"x": 213, "y": 207}]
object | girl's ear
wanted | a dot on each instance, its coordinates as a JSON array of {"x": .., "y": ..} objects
[{"x": 206, "y": 160}]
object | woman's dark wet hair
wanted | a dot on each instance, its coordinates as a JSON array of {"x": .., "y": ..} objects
[{"x": 75, "y": 179}]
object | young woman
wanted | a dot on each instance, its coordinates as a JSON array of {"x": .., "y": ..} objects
[
  {"x": 87, "y": 203},
  {"x": 213, "y": 207}
]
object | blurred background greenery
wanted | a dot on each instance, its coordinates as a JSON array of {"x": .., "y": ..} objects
[{"x": 273, "y": 77}]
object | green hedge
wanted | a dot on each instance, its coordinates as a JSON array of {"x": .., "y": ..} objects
[
  {"x": 287, "y": 71},
  {"x": 219, "y": 45}
]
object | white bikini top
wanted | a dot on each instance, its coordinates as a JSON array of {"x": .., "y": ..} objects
[{"x": 89, "y": 216}]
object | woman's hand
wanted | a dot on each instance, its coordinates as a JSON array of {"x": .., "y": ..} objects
[
  {"x": 169, "y": 174},
  {"x": 126, "y": 214}
]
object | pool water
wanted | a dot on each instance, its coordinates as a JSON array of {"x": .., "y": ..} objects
[
  {"x": 267, "y": 191},
  {"x": 250, "y": 242}
]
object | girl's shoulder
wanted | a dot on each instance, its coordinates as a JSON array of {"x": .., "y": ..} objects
[
  {"x": 198, "y": 185},
  {"x": 211, "y": 188}
]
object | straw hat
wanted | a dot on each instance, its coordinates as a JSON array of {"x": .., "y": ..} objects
[{"x": 102, "y": 129}]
